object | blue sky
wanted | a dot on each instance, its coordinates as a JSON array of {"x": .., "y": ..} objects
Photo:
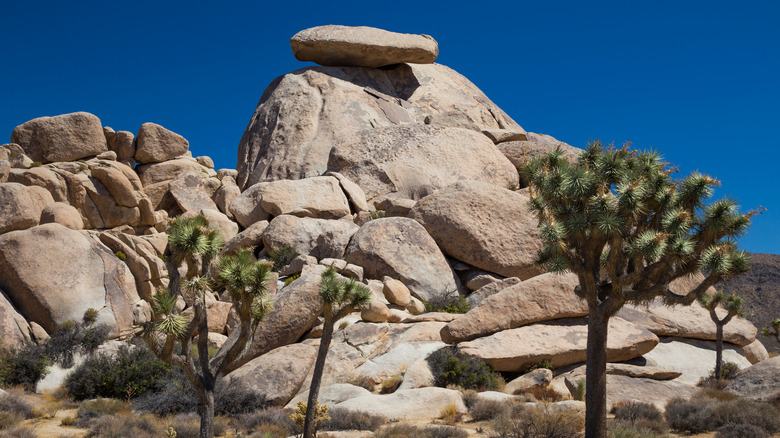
[{"x": 695, "y": 80}]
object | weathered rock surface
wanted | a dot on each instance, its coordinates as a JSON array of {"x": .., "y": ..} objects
[
  {"x": 408, "y": 404},
  {"x": 483, "y": 225},
  {"x": 625, "y": 369},
  {"x": 331, "y": 394},
  {"x": 14, "y": 154},
  {"x": 121, "y": 142},
  {"x": 537, "y": 145},
  {"x": 63, "y": 214},
  {"x": 318, "y": 197},
  {"x": 480, "y": 294},
  {"x": 362, "y": 46},
  {"x": 249, "y": 238},
  {"x": 544, "y": 297},
  {"x": 21, "y": 206},
  {"x": 51, "y": 287},
  {"x": 306, "y": 113},
  {"x": 755, "y": 352},
  {"x": 356, "y": 196},
  {"x": 155, "y": 144},
  {"x": 657, "y": 392},
  {"x": 321, "y": 238},
  {"x": 561, "y": 342},
  {"x": 396, "y": 292},
  {"x": 277, "y": 375},
  {"x": 760, "y": 382},
  {"x": 14, "y": 329},
  {"x": 66, "y": 137},
  {"x": 687, "y": 321},
  {"x": 401, "y": 248},
  {"x": 188, "y": 191},
  {"x": 413, "y": 161},
  {"x": 694, "y": 358},
  {"x": 539, "y": 378}
]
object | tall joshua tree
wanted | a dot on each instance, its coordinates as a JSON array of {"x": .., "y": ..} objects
[
  {"x": 619, "y": 221},
  {"x": 733, "y": 305},
  {"x": 340, "y": 297},
  {"x": 171, "y": 335}
]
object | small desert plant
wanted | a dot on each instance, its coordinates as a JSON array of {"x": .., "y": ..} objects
[
  {"x": 363, "y": 381},
  {"x": 343, "y": 325},
  {"x": 23, "y": 367},
  {"x": 740, "y": 431},
  {"x": 450, "y": 414},
  {"x": 546, "y": 363},
  {"x": 390, "y": 385},
  {"x": 35, "y": 164},
  {"x": 282, "y": 256},
  {"x": 544, "y": 394},
  {"x": 14, "y": 402},
  {"x": 273, "y": 420},
  {"x": 484, "y": 409},
  {"x": 580, "y": 394},
  {"x": 188, "y": 425},
  {"x": 378, "y": 214},
  {"x": 642, "y": 415},
  {"x": 450, "y": 302},
  {"x": 452, "y": 368},
  {"x": 19, "y": 431},
  {"x": 702, "y": 414},
  {"x": 540, "y": 421},
  {"x": 291, "y": 278},
  {"x": 320, "y": 415},
  {"x": 121, "y": 255},
  {"x": 444, "y": 432},
  {"x": 102, "y": 406},
  {"x": 125, "y": 426},
  {"x": 9, "y": 419},
  {"x": 408, "y": 430},
  {"x": 470, "y": 397},
  {"x": 342, "y": 419},
  {"x": 620, "y": 429}
]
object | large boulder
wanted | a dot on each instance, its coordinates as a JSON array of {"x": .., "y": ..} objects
[
  {"x": 319, "y": 197},
  {"x": 401, "y": 248},
  {"x": 155, "y": 144},
  {"x": 694, "y": 358},
  {"x": 67, "y": 137},
  {"x": 536, "y": 145},
  {"x": 407, "y": 404},
  {"x": 412, "y": 161},
  {"x": 54, "y": 274},
  {"x": 275, "y": 376},
  {"x": 14, "y": 329},
  {"x": 21, "y": 206},
  {"x": 321, "y": 238},
  {"x": 362, "y": 46},
  {"x": 63, "y": 214},
  {"x": 561, "y": 342},
  {"x": 544, "y": 297},
  {"x": 761, "y": 382},
  {"x": 483, "y": 225},
  {"x": 304, "y": 114},
  {"x": 687, "y": 321}
]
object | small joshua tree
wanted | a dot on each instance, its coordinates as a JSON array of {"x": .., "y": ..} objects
[
  {"x": 733, "y": 305},
  {"x": 170, "y": 336},
  {"x": 340, "y": 297},
  {"x": 618, "y": 220},
  {"x": 775, "y": 331}
]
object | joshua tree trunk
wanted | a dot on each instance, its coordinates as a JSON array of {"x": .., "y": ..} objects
[
  {"x": 309, "y": 430},
  {"x": 596, "y": 375},
  {"x": 206, "y": 410},
  {"x": 718, "y": 349}
]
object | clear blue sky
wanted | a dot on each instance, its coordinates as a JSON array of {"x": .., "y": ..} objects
[{"x": 696, "y": 80}]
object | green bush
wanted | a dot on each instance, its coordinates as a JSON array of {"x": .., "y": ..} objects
[
  {"x": 449, "y": 302},
  {"x": 342, "y": 419},
  {"x": 24, "y": 367},
  {"x": 452, "y": 368},
  {"x": 130, "y": 373},
  {"x": 72, "y": 337},
  {"x": 282, "y": 256}
]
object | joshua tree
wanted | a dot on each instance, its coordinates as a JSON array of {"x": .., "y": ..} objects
[
  {"x": 618, "y": 220},
  {"x": 733, "y": 305},
  {"x": 340, "y": 297},
  {"x": 775, "y": 331},
  {"x": 171, "y": 335}
]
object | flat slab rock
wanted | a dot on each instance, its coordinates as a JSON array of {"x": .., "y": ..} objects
[
  {"x": 407, "y": 404},
  {"x": 694, "y": 358},
  {"x": 362, "y": 46},
  {"x": 562, "y": 342},
  {"x": 761, "y": 382}
]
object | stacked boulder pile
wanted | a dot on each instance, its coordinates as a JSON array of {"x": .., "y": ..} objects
[{"x": 398, "y": 172}]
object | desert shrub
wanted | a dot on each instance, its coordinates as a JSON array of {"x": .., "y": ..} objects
[
  {"x": 703, "y": 414},
  {"x": 291, "y": 278},
  {"x": 450, "y": 414},
  {"x": 121, "y": 255},
  {"x": 540, "y": 421},
  {"x": 727, "y": 371},
  {"x": 14, "y": 402},
  {"x": 621, "y": 429},
  {"x": 19, "y": 432},
  {"x": 130, "y": 373},
  {"x": 342, "y": 419},
  {"x": 35, "y": 164},
  {"x": 23, "y": 367},
  {"x": 544, "y": 394},
  {"x": 378, "y": 214},
  {"x": 125, "y": 426},
  {"x": 390, "y": 385},
  {"x": 642, "y": 415},
  {"x": 580, "y": 393},
  {"x": 75, "y": 337},
  {"x": 452, "y": 368},
  {"x": 740, "y": 431},
  {"x": 546, "y": 363},
  {"x": 9, "y": 419},
  {"x": 282, "y": 256},
  {"x": 484, "y": 409},
  {"x": 363, "y": 381},
  {"x": 470, "y": 397},
  {"x": 67, "y": 421},
  {"x": 444, "y": 432},
  {"x": 102, "y": 406},
  {"x": 188, "y": 425},
  {"x": 273, "y": 420},
  {"x": 450, "y": 302},
  {"x": 715, "y": 394},
  {"x": 408, "y": 430}
]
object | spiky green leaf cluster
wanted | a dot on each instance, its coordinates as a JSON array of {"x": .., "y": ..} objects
[
  {"x": 167, "y": 321},
  {"x": 621, "y": 210},
  {"x": 191, "y": 236},
  {"x": 732, "y": 303},
  {"x": 246, "y": 280},
  {"x": 337, "y": 291}
]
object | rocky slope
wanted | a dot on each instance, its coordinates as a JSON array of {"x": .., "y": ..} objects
[{"x": 404, "y": 177}]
